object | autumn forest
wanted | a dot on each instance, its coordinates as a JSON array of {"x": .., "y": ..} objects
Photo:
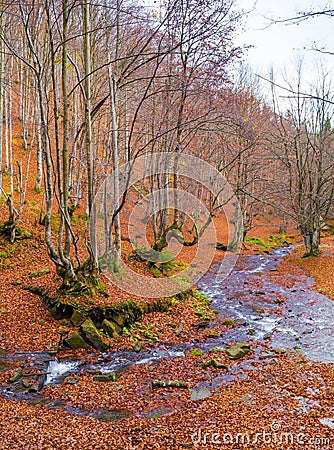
[{"x": 166, "y": 232}]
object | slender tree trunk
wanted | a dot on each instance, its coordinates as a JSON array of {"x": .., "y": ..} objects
[
  {"x": 39, "y": 156},
  {"x": 10, "y": 129},
  {"x": 113, "y": 73},
  {"x": 89, "y": 133},
  {"x": 65, "y": 157},
  {"x": 2, "y": 82}
]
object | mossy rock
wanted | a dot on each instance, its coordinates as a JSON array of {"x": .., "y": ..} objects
[
  {"x": 123, "y": 314},
  {"x": 111, "y": 328},
  {"x": 214, "y": 363},
  {"x": 76, "y": 341},
  {"x": 238, "y": 350},
  {"x": 93, "y": 336},
  {"x": 105, "y": 377},
  {"x": 229, "y": 322},
  {"x": 61, "y": 310},
  {"x": 216, "y": 350},
  {"x": 16, "y": 375},
  {"x": 77, "y": 318},
  {"x": 196, "y": 352},
  {"x": 118, "y": 319}
]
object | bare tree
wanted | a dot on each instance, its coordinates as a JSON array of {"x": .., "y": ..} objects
[{"x": 304, "y": 151}]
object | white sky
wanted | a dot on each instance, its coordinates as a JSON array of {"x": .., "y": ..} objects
[{"x": 279, "y": 45}]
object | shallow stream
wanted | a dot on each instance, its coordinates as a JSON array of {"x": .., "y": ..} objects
[{"x": 287, "y": 318}]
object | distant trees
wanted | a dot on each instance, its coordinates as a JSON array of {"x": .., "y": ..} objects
[{"x": 304, "y": 150}]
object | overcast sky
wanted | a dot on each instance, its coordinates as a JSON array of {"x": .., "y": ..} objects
[{"x": 278, "y": 45}]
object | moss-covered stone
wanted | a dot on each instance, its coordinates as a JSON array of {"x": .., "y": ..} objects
[
  {"x": 105, "y": 377},
  {"x": 93, "y": 336},
  {"x": 123, "y": 314},
  {"x": 16, "y": 375},
  {"x": 238, "y": 350},
  {"x": 111, "y": 328},
  {"x": 196, "y": 352},
  {"x": 61, "y": 310},
  {"x": 76, "y": 341},
  {"x": 118, "y": 319},
  {"x": 77, "y": 318},
  {"x": 216, "y": 364},
  {"x": 229, "y": 322}
]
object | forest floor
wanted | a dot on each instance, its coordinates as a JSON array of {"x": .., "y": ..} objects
[
  {"x": 260, "y": 410},
  {"x": 281, "y": 400}
]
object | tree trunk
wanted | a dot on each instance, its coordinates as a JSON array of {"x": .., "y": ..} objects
[
  {"x": 2, "y": 81},
  {"x": 89, "y": 131},
  {"x": 312, "y": 242}
]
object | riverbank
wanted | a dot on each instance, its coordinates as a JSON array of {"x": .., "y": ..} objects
[{"x": 321, "y": 268}]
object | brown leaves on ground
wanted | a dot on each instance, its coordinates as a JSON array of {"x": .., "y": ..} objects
[
  {"x": 285, "y": 395},
  {"x": 320, "y": 267}
]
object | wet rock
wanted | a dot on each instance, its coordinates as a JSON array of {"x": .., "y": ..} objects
[
  {"x": 93, "y": 336},
  {"x": 266, "y": 355},
  {"x": 72, "y": 381},
  {"x": 105, "y": 377},
  {"x": 111, "y": 328},
  {"x": 76, "y": 341},
  {"x": 238, "y": 350},
  {"x": 110, "y": 415},
  {"x": 32, "y": 385},
  {"x": 199, "y": 394},
  {"x": 157, "y": 412},
  {"x": 16, "y": 375},
  {"x": 77, "y": 318},
  {"x": 214, "y": 363},
  {"x": 216, "y": 350}
]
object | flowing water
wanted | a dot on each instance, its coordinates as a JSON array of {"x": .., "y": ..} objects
[{"x": 251, "y": 296}]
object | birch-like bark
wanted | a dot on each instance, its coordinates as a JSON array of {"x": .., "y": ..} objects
[
  {"x": 89, "y": 132},
  {"x": 2, "y": 82}
]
